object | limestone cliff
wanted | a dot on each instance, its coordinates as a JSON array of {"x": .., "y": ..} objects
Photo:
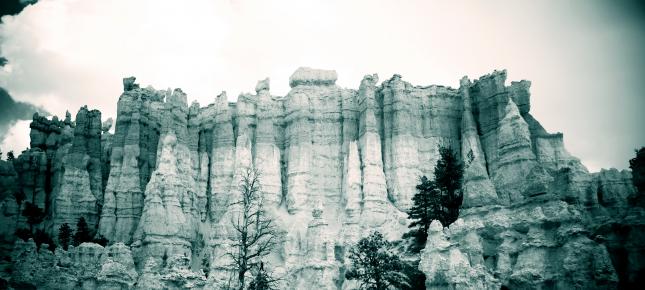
[{"x": 335, "y": 165}]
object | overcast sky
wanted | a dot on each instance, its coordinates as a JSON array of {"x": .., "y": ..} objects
[{"x": 584, "y": 58}]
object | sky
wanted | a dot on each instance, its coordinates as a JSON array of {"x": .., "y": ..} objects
[{"x": 584, "y": 57}]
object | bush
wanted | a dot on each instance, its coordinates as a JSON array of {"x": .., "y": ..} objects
[
  {"x": 41, "y": 237},
  {"x": 101, "y": 240},
  {"x": 64, "y": 235},
  {"x": 34, "y": 214},
  {"x": 82, "y": 234},
  {"x": 637, "y": 164},
  {"x": 24, "y": 234},
  {"x": 374, "y": 266}
]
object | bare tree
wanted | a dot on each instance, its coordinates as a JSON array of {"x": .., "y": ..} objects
[{"x": 255, "y": 231}]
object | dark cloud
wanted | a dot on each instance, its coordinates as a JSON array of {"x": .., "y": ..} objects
[
  {"x": 12, "y": 111},
  {"x": 13, "y": 7}
]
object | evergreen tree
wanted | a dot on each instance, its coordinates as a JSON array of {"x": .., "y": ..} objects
[
  {"x": 82, "y": 234},
  {"x": 436, "y": 200},
  {"x": 24, "y": 234},
  {"x": 10, "y": 156},
  {"x": 41, "y": 237},
  {"x": 374, "y": 266},
  {"x": 64, "y": 235},
  {"x": 34, "y": 215},
  {"x": 262, "y": 280},
  {"x": 19, "y": 196},
  {"x": 101, "y": 240},
  {"x": 426, "y": 208},
  {"x": 637, "y": 164},
  {"x": 448, "y": 176}
]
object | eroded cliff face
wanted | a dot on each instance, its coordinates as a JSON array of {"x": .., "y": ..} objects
[{"x": 335, "y": 165}]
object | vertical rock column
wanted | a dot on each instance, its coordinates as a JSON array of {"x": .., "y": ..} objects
[
  {"x": 515, "y": 159},
  {"x": 401, "y": 146},
  {"x": 477, "y": 188},
  {"x": 199, "y": 159},
  {"x": 133, "y": 157},
  {"x": 351, "y": 228},
  {"x": 369, "y": 145},
  {"x": 298, "y": 139},
  {"x": 81, "y": 184},
  {"x": 222, "y": 158},
  {"x": 170, "y": 215},
  {"x": 267, "y": 153}
]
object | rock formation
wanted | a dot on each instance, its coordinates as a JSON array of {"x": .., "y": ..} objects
[{"x": 335, "y": 165}]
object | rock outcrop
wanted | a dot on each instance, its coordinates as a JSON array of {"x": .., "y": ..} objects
[{"x": 335, "y": 165}]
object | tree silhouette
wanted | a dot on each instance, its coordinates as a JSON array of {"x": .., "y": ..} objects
[
  {"x": 448, "y": 175},
  {"x": 637, "y": 165},
  {"x": 41, "y": 237},
  {"x": 34, "y": 215},
  {"x": 82, "y": 234},
  {"x": 64, "y": 235},
  {"x": 428, "y": 206},
  {"x": 436, "y": 200},
  {"x": 254, "y": 229},
  {"x": 262, "y": 280},
  {"x": 374, "y": 266},
  {"x": 101, "y": 240}
]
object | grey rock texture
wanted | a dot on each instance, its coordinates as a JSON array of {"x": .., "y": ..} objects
[{"x": 335, "y": 165}]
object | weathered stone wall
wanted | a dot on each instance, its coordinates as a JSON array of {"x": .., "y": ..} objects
[{"x": 335, "y": 164}]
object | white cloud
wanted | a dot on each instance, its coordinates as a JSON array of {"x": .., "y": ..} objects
[
  {"x": 584, "y": 66},
  {"x": 16, "y": 139}
]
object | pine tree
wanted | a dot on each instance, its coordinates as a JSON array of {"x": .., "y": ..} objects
[
  {"x": 82, "y": 234},
  {"x": 426, "y": 208},
  {"x": 374, "y": 266},
  {"x": 64, "y": 235},
  {"x": 101, "y": 240},
  {"x": 34, "y": 215},
  {"x": 637, "y": 164},
  {"x": 448, "y": 176},
  {"x": 41, "y": 237},
  {"x": 436, "y": 200},
  {"x": 262, "y": 280}
]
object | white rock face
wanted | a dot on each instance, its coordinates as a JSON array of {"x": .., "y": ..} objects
[
  {"x": 335, "y": 165},
  {"x": 477, "y": 188}
]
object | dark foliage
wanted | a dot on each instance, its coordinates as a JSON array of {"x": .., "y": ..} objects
[
  {"x": 436, "y": 200},
  {"x": 34, "y": 215},
  {"x": 637, "y": 164},
  {"x": 10, "y": 156},
  {"x": 262, "y": 280},
  {"x": 24, "y": 234},
  {"x": 41, "y": 237},
  {"x": 101, "y": 240},
  {"x": 427, "y": 207},
  {"x": 82, "y": 234},
  {"x": 19, "y": 196},
  {"x": 254, "y": 229},
  {"x": 374, "y": 266},
  {"x": 64, "y": 235},
  {"x": 416, "y": 277},
  {"x": 449, "y": 173}
]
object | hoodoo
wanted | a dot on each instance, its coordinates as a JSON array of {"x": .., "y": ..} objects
[{"x": 335, "y": 164}]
